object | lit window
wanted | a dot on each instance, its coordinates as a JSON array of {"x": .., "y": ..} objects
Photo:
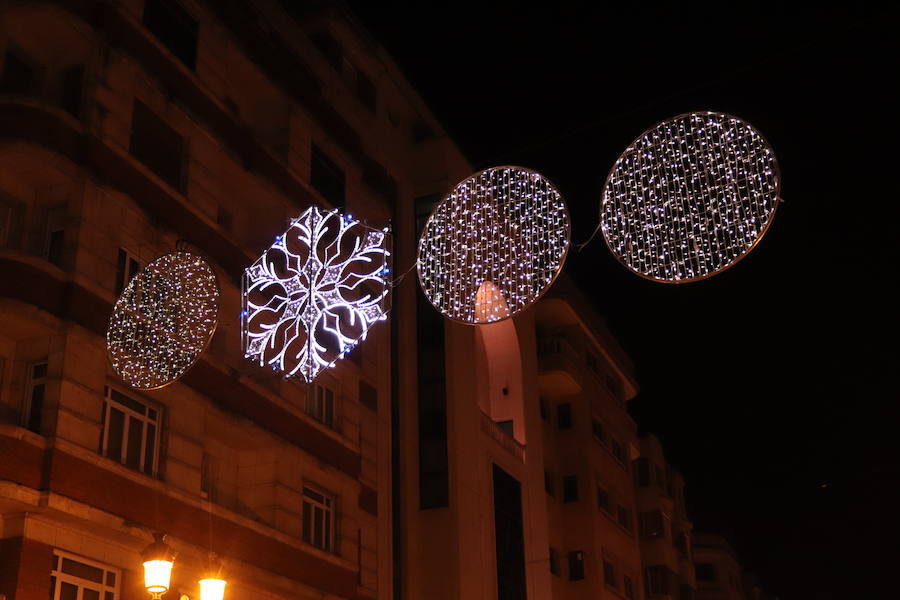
[
  {"x": 127, "y": 266},
  {"x": 75, "y": 578},
  {"x": 34, "y": 402},
  {"x": 320, "y": 405},
  {"x": 130, "y": 432},
  {"x": 318, "y": 519}
]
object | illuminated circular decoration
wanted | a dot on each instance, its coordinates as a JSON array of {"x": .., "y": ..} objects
[
  {"x": 493, "y": 245},
  {"x": 163, "y": 320},
  {"x": 690, "y": 197},
  {"x": 314, "y": 294}
]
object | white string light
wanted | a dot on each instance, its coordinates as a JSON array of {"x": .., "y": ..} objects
[
  {"x": 493, "y": 245},
  {"x": 690, "y": 197},
  {"x": 314, "y": 294},
  {"x": 163, "y": 320}
]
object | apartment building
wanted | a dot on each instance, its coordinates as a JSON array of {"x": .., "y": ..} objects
[
  {"x": 663, "y": 524},
  {"x": 523, "y": 472},
  {"x": 127, "y": 128},
  {"x": 718, "y": 570}
]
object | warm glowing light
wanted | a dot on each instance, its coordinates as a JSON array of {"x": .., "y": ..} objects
[
  {"x": 212, "y": 589},
  {"x": 493, "y": 245},
  {"x": 163, "y": 320},
  {"x": 157, "y": 575},
  {"x": 314, "y": 294},
  {"x": 690, "y": 197}
]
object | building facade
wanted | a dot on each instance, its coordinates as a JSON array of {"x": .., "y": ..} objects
[
  {"x": 663, "y": 524},
  {"x": 127, "y": 128},
  {"x": 437, "y": 461}
]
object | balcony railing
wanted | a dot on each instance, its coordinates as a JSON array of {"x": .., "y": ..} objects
[{"x": 493, "y": 429}]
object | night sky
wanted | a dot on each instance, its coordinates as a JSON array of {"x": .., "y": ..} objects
[{"x": 771, "y": 384}]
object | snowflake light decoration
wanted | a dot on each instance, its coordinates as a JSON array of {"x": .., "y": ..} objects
[
  {"x": 315, "y": 293},
  {"x": 493, "y": 245},
  {"x": 163, "y": 320},
  {"x": 690, "y": 197}
]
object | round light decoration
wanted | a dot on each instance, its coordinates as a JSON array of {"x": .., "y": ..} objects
[
  {"x": 493, "y": 245},
  {"x": 690, "y": 197},
  {"x": 163, "y": 320}
]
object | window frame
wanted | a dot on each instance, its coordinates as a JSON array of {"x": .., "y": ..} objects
[
  {"x": 130, "y": 413},
  {"x": 33, "y": 382},
  {"x": 317, "y": 404},
  {"x": 329, "y": 540},
  {"x": 57, "y": 577},
  {"x": 123, "y": 271}
]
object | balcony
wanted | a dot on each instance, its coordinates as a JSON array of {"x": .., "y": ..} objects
[
  {"x": 495, "y": 431},
  {"x": 560, "y": 367}
]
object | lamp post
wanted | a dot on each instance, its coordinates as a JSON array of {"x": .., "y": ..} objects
[{"x": 158, "y": 560}]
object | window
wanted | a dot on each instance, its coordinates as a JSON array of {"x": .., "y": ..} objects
[
  {"x": 366, "y": 91},
  {"x": 318, "y": 519},
  {"x": 602, "y": 498},
  {"x": 542, "y": 402},
  {"x": 320, "y": 405},
  {"x": 609, "y": 574},
  {"x": 642, "y": 472},
  {"x": 6, "y": 213},
  {"x": 174, "y": 28},
  {"x": 705, "y": 571},
  {"x": 326, "y": 177},
  {"x": 652, "y": 524},
  {"x": 157, "y": 145},
  {"x": 624, "y": 517},
  {"x": 34, "y": 404},
  {"x": 548, "y": 482},
  {"x": 658, "y": 578},
  {"x": 554, "y": 561},
  {"x": 570, "y": 488},
  {"x": 681, "y": 544},
  {"x": 75, "y": 578},
  {"x": 628, "y": 584},
  {"x": 130, "y": 432},
  {"x": 53, "y": 245},
  {"x": 127, "y": 267},
  {"x": 70, "y": 86},
  {"x": 618, "y": 451},
  {"x": 564, "y": 416},
  {"x": 597, "y": 430},
  {"x": 576, "y": 565}
]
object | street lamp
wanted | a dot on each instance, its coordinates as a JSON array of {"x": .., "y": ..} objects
[
  {"x": 213, "y": 586},
  {"x": 158, "y": 559}
]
